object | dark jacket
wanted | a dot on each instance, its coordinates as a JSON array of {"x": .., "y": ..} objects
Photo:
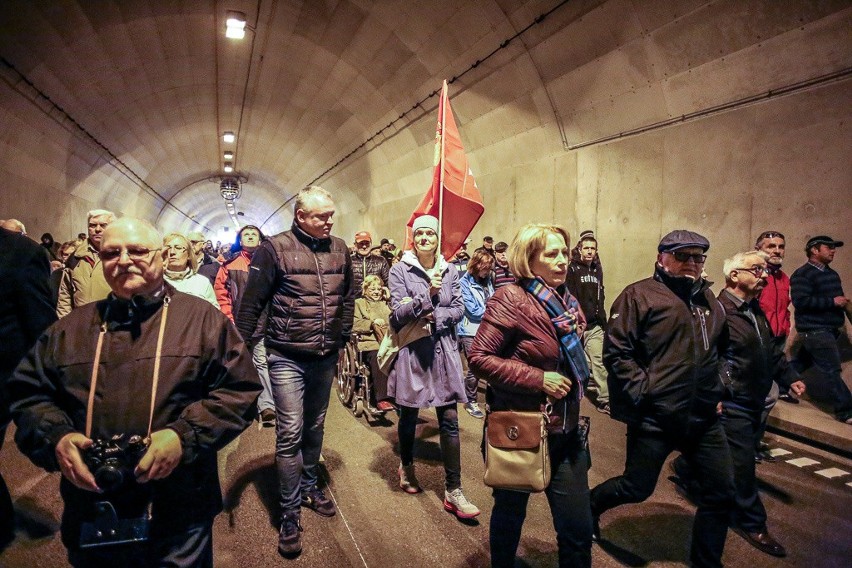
[
  {"x": 209, "y": 267},
  {"x": 585, "y": 281},
  {"x": 26, "y": 304},
  {"x": 813, "y": 291},
  {"x": 363, "y": 266},
  {"x": 751, "y": 360},
  {"x": 306, "y": 286},
  {"x": 516, "y": 343},
  {"x": 661, "y": 351},
  {"x": 206, "y": 393}
]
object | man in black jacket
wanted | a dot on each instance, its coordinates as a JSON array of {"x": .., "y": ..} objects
[
  {"x": 96, "y": 373},
  {"x": 662, "y": 356},
  {"x": 820, "y": 304},
  {"x": 585, "y": 281},
  {"x": 751, "y": 362},
  {"x": 364, "y": 263},
  {"x": 303, "y": 278},
  {"x": 26, "y": 309}
]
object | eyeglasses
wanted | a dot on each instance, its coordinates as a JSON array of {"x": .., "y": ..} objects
[
  {"x": 133, "y": 253},
  {"x": 686, "y": 256},
  {"x": 756, "y": 271},
  {"x": 177, "y": 248}
]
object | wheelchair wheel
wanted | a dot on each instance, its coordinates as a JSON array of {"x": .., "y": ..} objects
[
  {"x": 345, "y": 377},
  {"x": 359, "y": 407}
]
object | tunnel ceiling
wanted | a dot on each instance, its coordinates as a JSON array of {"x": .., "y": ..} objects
[{"x": 156, "y": 83}]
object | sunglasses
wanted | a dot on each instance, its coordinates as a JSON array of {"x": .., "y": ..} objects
[
  {"x": 771, "y": 235},
  {"x": 686, "y": 257}
]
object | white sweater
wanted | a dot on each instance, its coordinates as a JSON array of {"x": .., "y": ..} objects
[{"x": 193, "y": 284}]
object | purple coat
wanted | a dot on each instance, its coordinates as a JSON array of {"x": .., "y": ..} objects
[{"x": 428, "y": 371}]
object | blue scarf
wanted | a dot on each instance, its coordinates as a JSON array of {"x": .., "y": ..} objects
[{"x": 564, "y": 318}]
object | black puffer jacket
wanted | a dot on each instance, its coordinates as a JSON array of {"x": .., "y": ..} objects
[
  {"x": 662, "y": 352},
  {"x": 306, "y": 286},
  {"x": 751, "y": 360},
  {"x": 363, "y": 266}
]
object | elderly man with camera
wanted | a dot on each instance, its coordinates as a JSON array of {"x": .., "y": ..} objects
[{"x": 130, "y": 398}]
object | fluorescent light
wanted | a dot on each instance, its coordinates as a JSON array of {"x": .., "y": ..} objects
[
  {"x": 228, "y": 137},
  {"x": 229, "y": 167},
  {"x": 228, "y": 155},
  {"x": 235, "y": 25}
]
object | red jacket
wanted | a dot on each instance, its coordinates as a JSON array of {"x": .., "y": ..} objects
[{"x": 775, "y": 303}]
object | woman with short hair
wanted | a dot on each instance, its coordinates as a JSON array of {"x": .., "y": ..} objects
[
  {"x": 529, "y": 351},
  {"x": 181, "y": 269},
  {"x": 476, "y": 288}
]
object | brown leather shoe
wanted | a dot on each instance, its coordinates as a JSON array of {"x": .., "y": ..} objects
[{"x": 764, "y": 542}]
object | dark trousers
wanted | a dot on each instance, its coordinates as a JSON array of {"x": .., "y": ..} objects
[
  {"x": 706, "y": 450},
  {"x": 378, "y": 379},
  {"x": 568, "y": 497},
  {"x": 471, "y": 383},
  {"x": 740, "y": 426},
  {"x": 819, "y": 349},
  {"x": 192, "y": 548},
  {"x": 7, "y": 509},
  {"x": 448, "y": 424}
]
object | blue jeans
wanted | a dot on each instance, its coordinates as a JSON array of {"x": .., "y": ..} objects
[
  {"x": 568, "y": 497},
  {"x": 301, "y": 389},
  {"x": 471, "y": 383},
  {"x": 258, "y": 357}
]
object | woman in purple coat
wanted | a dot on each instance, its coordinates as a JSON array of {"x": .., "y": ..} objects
[{"x": 427, "y": 372}]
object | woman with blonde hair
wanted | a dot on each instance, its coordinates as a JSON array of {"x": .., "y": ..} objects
[
  {"x": 528, "y": 348},
  {"x": 181, "y": 269},
  {"x": 372, "y": 314}
]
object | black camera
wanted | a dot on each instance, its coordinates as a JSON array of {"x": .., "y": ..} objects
[{"x": 112, "y": 461}]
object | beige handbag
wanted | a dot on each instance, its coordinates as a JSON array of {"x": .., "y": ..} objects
[{"x": 516, "y": 451}]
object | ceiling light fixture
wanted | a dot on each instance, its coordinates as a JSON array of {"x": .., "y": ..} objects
[
  {"x": 229, "y": 189},
  {"x": 235, "y": 25},
  {"x": 228, "y": 137},
  {"x": 228, "y": 155},
  {"x": 229, "y": 167}
]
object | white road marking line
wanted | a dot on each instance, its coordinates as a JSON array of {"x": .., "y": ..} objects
[
  {"x": 802, "y": 462},
  {"x": 25, "y": 488},
  {"x": 775, "y": 452},
  {"x": 831, "y": 472},
  {"x": 346, "y": 524}
]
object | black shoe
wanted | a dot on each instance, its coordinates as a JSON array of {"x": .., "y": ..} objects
[
  {"x": 316, "y": 500},
  {"x": 764, "y": 456},
  {"x": 267, "y": 418},
  {"x": 603, "y": 408},
  {"x": 764, "y": 542},
  {"x": 787, "y": 397},
  {"x": 290, "y": 536}
]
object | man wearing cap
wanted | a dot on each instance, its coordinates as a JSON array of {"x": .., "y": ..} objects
[
  {"x": 487, "y": 245},
  {"x": 820, "y": 303},
  {"x": 501, "y": 275},
  {"x": 661, "y": 352},
  {"x": 364, "y": 263},
  {"x": 207, "y": 265}
]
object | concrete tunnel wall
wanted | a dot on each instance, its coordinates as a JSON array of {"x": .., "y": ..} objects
[{"x": 781, "y": 163}]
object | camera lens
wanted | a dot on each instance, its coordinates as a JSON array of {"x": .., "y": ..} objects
[{"x": 109, "y": 478}]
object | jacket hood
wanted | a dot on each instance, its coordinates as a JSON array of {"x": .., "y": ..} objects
[{"x": 408, "y": 257}]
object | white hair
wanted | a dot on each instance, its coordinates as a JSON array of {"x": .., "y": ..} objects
[
  {"x": 309, "y": 194},
  {"x": 100, "y": 213},
  {"x": 739, "y": 261}
]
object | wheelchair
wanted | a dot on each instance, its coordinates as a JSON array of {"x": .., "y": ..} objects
[{"x": 354, "y": 385}]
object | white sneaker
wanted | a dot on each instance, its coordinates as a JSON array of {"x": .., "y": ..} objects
[
  {"x": 407, "y": 481},
  {"x": 456, "y": 503},
  {"x": 474, "y": 410}
]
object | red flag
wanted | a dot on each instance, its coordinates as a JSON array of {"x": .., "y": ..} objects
[{"x": 453, "y": 197}]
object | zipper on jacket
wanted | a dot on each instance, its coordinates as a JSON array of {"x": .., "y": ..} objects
[
  {"x": 322, "y": 297},
  {"x": 703, "y": 321}
]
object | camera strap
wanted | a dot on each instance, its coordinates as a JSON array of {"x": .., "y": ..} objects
[{"x": 156, "y": 378}]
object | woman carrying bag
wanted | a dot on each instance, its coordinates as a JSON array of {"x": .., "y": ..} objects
[
  {"x": 427, "y": 371},
  {"x": 529, "y": 351}
]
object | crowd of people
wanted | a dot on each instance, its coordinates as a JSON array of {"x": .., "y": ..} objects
[{"x": 163, "y": 349}]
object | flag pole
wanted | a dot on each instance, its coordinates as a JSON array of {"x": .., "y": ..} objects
[{"x": 443, "y": 106}]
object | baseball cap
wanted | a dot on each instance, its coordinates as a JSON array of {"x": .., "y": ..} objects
[
  {"x": 681, "y": 238},
  {"x": 363, "y": 236},
  {"x": 822, "y": 240}
]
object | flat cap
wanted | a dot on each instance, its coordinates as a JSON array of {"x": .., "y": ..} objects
[{"x": 681, "y": 238}]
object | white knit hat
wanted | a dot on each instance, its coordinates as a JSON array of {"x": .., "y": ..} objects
[{"x": 425, "y": 222}]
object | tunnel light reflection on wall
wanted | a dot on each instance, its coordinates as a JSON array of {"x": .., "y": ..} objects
[
  {"x": 228, "y": 155},
  {"x": 228, "y": 137},
  {"x": 235, "y": 25},
  {"x": 229, "y": 167}
]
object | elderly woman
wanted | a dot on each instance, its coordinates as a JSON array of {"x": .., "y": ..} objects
[
  {"x": 476, "y": 288},
  {"x": 427, "y": 372},
  {"x": 528, "y": 350},
  {"x": 181, "y": 267},
  {"x": 372, "y": 313}
]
